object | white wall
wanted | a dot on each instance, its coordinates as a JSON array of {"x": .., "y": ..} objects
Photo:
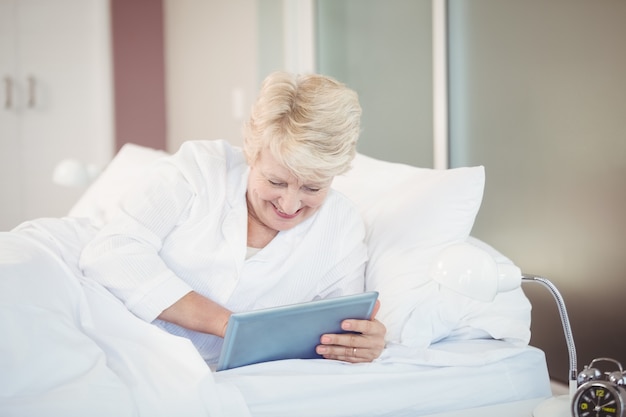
[{"x": 211, "y": 68}]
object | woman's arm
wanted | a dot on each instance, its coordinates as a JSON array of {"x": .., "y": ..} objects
[
  {"x": 142, "y": 254},
  {"x": 198, "y": 313}
]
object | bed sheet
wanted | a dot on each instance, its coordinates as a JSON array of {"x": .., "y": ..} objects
[{"x": 448, "y": 376}]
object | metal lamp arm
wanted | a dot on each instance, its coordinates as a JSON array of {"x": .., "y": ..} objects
[{"x": 567, "y": 330}]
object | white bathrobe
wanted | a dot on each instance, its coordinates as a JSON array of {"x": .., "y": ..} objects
[{"x": 185, "y": 229}]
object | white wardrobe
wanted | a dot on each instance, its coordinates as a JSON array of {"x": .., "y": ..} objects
[{"x": 56, "y": 100}]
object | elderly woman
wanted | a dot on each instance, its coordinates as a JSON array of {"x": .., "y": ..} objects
[{"x": 214, "y": 229}]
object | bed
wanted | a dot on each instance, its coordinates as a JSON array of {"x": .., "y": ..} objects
[{"x": 69, "y": 348}]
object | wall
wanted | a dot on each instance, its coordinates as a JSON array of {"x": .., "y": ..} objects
[
  {"x": 538, "y": 93},
  {"x": 138, "y": 70},
  {"x": 211, "y": 68},
  {"x": 271, "y": 42}
]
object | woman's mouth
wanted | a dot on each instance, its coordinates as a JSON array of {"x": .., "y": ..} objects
[{"x": 284, "y": 215}]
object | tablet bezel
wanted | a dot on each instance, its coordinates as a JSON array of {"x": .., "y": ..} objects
[{"x": 289, "y": 332}]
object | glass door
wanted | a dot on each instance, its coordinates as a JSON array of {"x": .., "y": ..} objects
[{"x": 383, "y": 50}]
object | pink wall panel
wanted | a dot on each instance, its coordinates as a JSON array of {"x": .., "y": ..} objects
[{"x": 139, "y": 72}]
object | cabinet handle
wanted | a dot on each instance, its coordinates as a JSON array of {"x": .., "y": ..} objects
[
  {"x": 32, "y": 93},
  {"x": 8, "y": 93}
]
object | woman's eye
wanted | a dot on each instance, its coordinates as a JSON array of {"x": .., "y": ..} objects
[
  {"x": 312, "y": 189},
  {"x": 276, "y": 183}
]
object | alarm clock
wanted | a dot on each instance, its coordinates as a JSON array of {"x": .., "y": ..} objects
[{"x": 600, "y": 394}]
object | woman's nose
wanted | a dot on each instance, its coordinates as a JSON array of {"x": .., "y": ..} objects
[{"x": 290, "y": 202}]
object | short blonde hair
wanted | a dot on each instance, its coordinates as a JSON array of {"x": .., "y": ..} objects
[{"x": 310, "y": 124}]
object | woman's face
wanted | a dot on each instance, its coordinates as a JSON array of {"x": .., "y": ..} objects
[{"x": 279, "y": 200}]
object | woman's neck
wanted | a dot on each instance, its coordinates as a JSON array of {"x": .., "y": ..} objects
[{"x": 259, "y": 235}]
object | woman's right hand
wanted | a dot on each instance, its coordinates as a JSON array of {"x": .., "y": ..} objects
[{"x": 364, "y": 341}]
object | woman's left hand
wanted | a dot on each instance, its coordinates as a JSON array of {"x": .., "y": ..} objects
[{"x": 364, "y": 342}]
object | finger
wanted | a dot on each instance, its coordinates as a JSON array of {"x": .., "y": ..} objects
[
  {"x": 374, "y": 345},
  {"x": 366, "y": 327},
  {"x": 346, "y": 354},
  {"x": 345, "y": 340},
  {"x": 375, "y": 310}
]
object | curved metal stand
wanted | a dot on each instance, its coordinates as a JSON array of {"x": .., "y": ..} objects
[
  {"x": 567, "y": 330},
  {"x": 559, "y": 406}
]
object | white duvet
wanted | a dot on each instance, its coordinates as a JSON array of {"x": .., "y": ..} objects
[{"x": 70, "y": 348}]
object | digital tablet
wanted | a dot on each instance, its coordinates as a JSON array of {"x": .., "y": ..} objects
[{"x": 289, "y": 332}]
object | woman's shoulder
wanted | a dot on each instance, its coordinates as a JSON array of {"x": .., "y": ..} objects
[
  {"x": 340, "y": 212},
  {"x": 213, "y": 149},
  {"x": 206, "y": 167},
  {"x": 208, "y": 158},
  {"x": 340, "y": 202}
]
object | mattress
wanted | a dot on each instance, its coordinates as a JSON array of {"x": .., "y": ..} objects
[
  {"x": 451, "y": 376},
  {"x": 524, "y": 408}
]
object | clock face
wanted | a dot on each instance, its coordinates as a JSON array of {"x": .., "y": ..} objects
[{"x": 597, "y": 399}]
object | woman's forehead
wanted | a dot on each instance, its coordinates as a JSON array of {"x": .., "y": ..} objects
[{"x": 269, "y": 165}]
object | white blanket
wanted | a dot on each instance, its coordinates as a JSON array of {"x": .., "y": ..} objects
[{"x": 70, "y": 348}]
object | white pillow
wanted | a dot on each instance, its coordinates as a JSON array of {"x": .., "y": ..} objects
[
  {"x": 101, "y": 200},
  {"x": 410, "y": 215}
]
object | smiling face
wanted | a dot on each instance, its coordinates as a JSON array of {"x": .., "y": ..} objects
[{"x": 277, "y": 200}]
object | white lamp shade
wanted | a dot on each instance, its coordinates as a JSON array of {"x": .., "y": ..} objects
[
  {"x": 509, "y": 277},
  {"x": 472, "y": 272},
  {"x": 74, "y": 173}
]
